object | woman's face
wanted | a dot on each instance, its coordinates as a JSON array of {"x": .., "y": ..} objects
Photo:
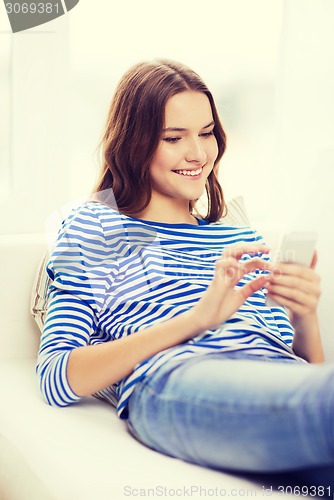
[{"x": 187, "y": 150}]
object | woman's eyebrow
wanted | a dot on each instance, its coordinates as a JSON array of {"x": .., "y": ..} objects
[
  {"x": 179, "y": 129},
  {"x": 209, "y": 125}
]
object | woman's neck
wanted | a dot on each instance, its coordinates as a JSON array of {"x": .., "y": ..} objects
[{"x": 160, "y": 210}]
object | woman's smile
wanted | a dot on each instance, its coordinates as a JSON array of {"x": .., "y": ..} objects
[{"x": 192, "y": 174}]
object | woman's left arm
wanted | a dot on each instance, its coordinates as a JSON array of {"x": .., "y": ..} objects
[{"x": 298, "y": 288}]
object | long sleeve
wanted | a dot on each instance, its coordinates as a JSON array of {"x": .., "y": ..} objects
[
  {"x": 81, "y": 267},
  {"x": 69, "y": 324}
]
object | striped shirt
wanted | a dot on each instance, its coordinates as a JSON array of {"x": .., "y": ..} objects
[{"x": 114, "y": 275}]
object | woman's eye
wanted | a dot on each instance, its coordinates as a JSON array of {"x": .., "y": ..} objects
[
  {"x": 207, "y": 134},
  {"x": 172, "y": 140}
]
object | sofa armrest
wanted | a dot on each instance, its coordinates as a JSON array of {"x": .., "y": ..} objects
[{"x": 19, "y": 257}]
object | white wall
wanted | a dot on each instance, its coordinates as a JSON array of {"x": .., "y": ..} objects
[
  {"x": 64, "y": 74},
  {"x": 39, "y": 139},
  {"x": 303, "y": 171},
  {"x": 5, "y": 107}
]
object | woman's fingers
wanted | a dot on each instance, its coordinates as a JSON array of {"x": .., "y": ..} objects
[
  {"x": 299, "y": 295},
  {"x": 232, "y": 270},
  {"x": 314, "y": 260},
  {"x": 222, "y": 298},
  {"x": 238, "y": 250},
  {"x": 251, "y": 287},
  {"x": 295, "y": 307},
  {"x": 228, "y": 270},
  {"x": 292, "y": 282},
  {"x": 287, "y": 268},
  {"x": 299, "y": 304},
  {"x": 256, "y": 263},
  {"x": 294, "y": 286}
]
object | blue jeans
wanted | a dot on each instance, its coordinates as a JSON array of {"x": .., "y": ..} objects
[{"x": 239, "y": 413}]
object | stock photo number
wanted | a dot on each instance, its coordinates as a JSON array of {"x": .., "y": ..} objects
[
  {"x": 25, "y": 15},
  {"x": 32, "y": 8}
]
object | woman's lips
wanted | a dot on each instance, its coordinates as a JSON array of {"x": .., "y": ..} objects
[{"x": 190, "y": 173}]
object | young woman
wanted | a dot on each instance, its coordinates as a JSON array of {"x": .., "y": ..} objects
[{"x": 162, "y": 311}]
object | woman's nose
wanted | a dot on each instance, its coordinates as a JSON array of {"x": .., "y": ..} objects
[{"x": 196, "y": 152}]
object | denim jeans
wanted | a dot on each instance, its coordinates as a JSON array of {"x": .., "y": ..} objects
[{"x": 239, "y": 413}]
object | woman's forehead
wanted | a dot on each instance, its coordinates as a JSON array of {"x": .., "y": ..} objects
[{"x": 188, "y": 109}]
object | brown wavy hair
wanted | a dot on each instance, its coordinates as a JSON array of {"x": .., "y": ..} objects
[{"x": 132, "y": 133}]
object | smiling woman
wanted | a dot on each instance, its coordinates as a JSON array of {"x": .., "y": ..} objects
[
  {"x": 163, "y": 313},
  {"x": 188, "y": 137}
]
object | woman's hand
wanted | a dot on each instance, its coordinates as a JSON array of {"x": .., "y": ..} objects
[
  {"x": 297, "y": 287},
  {"x": 222, "y": 298}
]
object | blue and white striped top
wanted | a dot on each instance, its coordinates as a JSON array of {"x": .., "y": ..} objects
[{"x": 114, "y": 275}]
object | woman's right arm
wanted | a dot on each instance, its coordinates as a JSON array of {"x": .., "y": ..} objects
[
  {"x": 66, "y": 359},
  {"x": 95, "y": 367},
  {"x": 69, "y": 368}
]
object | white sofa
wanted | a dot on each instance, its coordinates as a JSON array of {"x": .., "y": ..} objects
[{"x": 83, "y": 451}]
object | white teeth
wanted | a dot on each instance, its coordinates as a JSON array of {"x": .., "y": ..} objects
[{"x": 189, "y": 172}]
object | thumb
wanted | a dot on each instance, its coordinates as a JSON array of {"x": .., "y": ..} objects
[{"x": 253, "y": 286}]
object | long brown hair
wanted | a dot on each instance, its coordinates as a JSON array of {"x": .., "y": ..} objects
[{"x": 133, "y": 131}]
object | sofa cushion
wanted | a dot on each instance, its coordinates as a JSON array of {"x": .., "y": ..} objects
[
  {"x": 39, "y": 292},
  {"x": 84, "y": 451},
  {"x": 19, "y": 257}
]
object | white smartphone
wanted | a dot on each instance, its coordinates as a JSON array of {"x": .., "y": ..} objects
[{"x": 295, "y": 246}]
